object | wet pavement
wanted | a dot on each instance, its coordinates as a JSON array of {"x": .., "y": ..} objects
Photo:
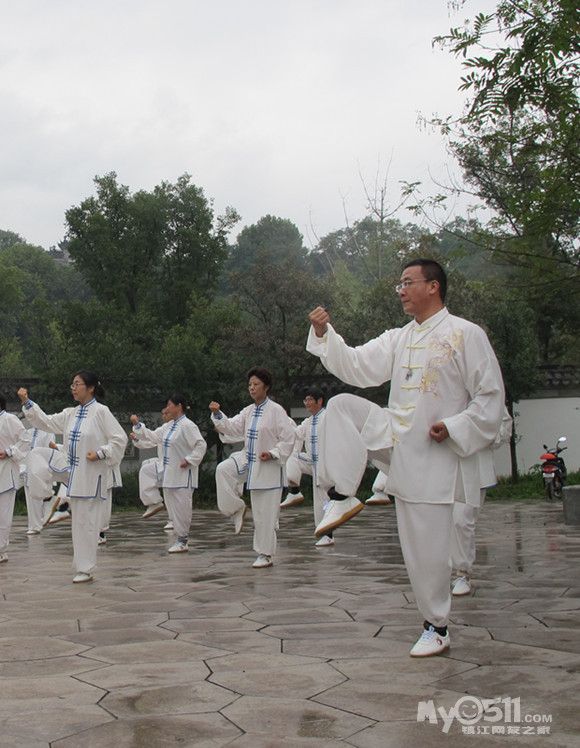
[{"x": 200, "y": 649}]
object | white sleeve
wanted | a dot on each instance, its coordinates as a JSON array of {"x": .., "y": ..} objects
[{"x": 368, "y": 365}]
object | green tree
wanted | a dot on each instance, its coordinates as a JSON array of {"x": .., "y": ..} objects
[
  {"x": 116, "y": 241},
  {"x": 271, "y": 239},
  {"x": 11, "y": 298},
  {"x": 270, "y": 281},
  {"x": 148, "y": 250},
  {"x": 516, "y": 347},
  {"x": 518, "y": 141},
  {"x": 518, "y": 145},
  {"x": 9, "y": 238},
  {"x": 369, "y": 249},
  {"x": 194, "y": 244}
]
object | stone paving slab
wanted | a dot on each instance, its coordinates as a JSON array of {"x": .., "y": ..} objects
[{"x": 201, "y": 649}]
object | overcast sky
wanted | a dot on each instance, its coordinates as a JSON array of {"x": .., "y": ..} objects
[{"x": 273, "y": 106}]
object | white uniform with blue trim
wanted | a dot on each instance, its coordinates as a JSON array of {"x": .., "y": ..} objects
[
  {"x": 263, "y": 428},
  {"x": 85, "y": 428},
  {"x": 179, "y": 441},
  {"x": 11, "y": 430},
  {"x": 309, "y": 434}
]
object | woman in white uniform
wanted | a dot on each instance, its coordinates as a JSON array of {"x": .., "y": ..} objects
[
  {"x": 183, "y": 450},
  {"x": 11, "y": 429},
  {"x": 268, "y": 437},
  {"x": 90, "y": 464}
]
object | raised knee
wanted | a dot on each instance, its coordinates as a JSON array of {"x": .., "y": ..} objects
[{"x": 343, "y": 399}]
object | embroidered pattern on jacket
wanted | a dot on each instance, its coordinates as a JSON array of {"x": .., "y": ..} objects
[{"x": 444, "y": 348}]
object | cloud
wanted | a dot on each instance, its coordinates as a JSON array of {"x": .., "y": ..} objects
[{"x": 272, "y": 107}]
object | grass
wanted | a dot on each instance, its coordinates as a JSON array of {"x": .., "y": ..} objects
[{"x": 529, "y": 486}]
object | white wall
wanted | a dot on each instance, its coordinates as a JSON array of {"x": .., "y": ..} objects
[{"x": 540, "y": 422}]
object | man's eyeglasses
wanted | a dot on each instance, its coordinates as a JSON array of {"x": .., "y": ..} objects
[{"x": 407, "y": 283}]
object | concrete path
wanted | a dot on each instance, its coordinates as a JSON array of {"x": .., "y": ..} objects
[{"x": 200, "y": 649}]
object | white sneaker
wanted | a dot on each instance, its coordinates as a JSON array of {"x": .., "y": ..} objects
[
  {"x": 239, "y": 519},
  {"x": 102, "y": 539},
  {"x": 324, "y": 540},
  {"x": 30, "y": 531},
  {"x": 169, "y": 527},
  {"x": 3, "y": 558},
  {"x": 153, "y": 509},
  {"x": 58, "y": 517},
  {"x": 378, "y": 498},
  {"x": 461, "y": 586},
  {"x": 262, "y": 561},
  {"x": 81, "y": 577},
  {"x": 178, "y": 547},
  {"x": 430, "y": 643},
  {"x": 337, "y": 513},
  {"x": 292, "y": 498}
]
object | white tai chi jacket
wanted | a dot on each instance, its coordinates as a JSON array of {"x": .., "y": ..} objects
[
  {"x": 308, "y": 433},
  {"x": 180, "y": 440},
  {"x": 263, "y": 428},
  {"x": 11, "y": 429},
  {"x": 85, "y": 428},
  {"x": 443, "y": 370}
]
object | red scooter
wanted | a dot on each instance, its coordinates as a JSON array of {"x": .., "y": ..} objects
[{"x": 554, "y": 471}]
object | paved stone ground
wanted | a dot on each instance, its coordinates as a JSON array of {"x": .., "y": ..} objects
[{"x": 200, "y": 649}]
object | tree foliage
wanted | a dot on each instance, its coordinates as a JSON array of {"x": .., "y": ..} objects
[
  {"x": 148, "y": 250},
  {"x": 518, "y": 141}
]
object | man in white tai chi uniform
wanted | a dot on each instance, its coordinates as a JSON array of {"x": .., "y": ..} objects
[
  {"x": 445, "y": 405},
  {"x": 307, "y": 461}
]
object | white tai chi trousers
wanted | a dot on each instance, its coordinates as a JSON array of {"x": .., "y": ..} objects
[
  {"x": 87, "y": 518},
  {"x": 265, "y": 504},
  {"x": 34, "y": 510},
  {"x": 149, "y": 483},
  {"x": 462, "y": 547},
  {"x": 345, "y": 454},
  {"x": 295, "y": 468},
  {"x": 424, "y": 528},
  {"x": 179, "y": 503},
  {"x": 424, "y": 533},
  {"x": 6, "y": 514}
]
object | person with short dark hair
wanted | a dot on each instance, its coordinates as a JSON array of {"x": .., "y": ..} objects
[
  {"x": 183, "y": 450},
  {"x": 446, "y": 404},
  {"x": 268, "y": 437},
  {"x": 89, "y": 464},
  {"x": 11, "y": 430}
]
